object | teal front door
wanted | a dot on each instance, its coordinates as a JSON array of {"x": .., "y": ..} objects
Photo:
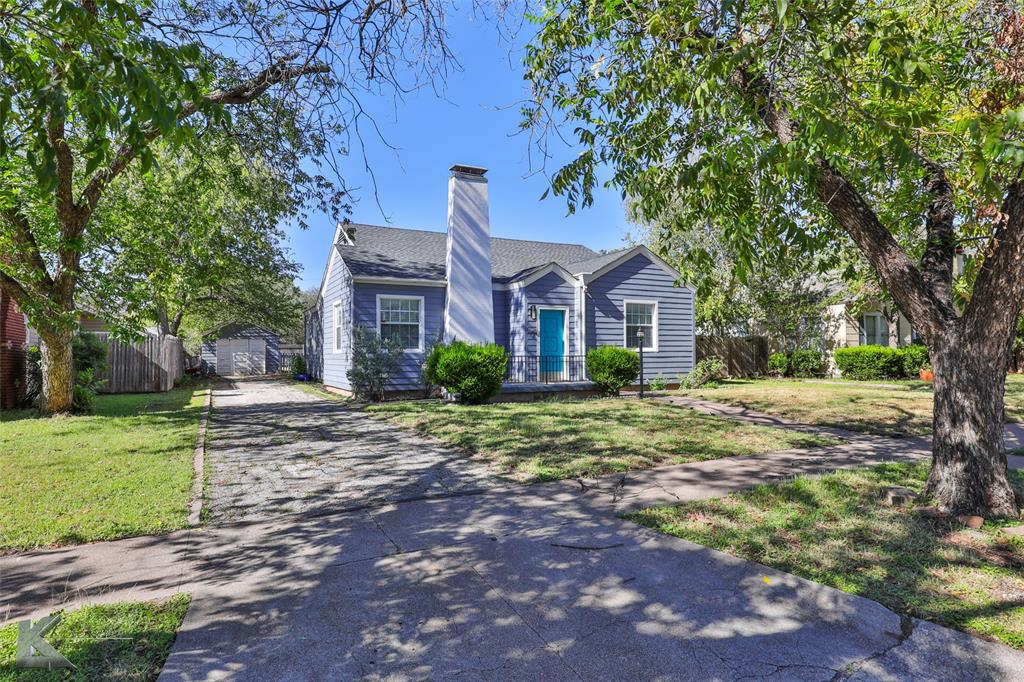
[{"x": 552, "y": 344}]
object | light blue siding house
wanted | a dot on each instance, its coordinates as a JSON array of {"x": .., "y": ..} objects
[{"x": 546, "y": 303}]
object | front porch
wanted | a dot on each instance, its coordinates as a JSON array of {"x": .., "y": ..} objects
[{"x": 539, "y": 377}]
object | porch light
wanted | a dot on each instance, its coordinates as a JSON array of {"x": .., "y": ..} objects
[{"x": 532, "y": 310}]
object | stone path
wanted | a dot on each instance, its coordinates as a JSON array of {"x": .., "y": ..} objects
[
  {"x": 275, "y": 449},
  {"x": 477, "y": 582}
]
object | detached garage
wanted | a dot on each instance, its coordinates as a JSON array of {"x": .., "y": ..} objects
[{"x": 240, "y": 350}]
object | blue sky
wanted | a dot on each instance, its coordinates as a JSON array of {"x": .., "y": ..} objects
[{"x": 475, "y": 123}]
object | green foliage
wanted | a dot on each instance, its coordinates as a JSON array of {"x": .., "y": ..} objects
[
  {"x": 658, "y": 383},
  {"x": 708, "y": 372},
  {"x": 612, "y": 368},
  {"x": 374, "y": 361},
  {"x": 915, "y": 358},
  {"x": 870, "y": 362},
  {"x": 197, "y": 243},
  {"x": 778, "y": 365},
  {"x": 90, "y": 357},
  {"x": 298, "y": 365},
  {"x": 670, "y": 96},
  {"x": 429, "y": 366},
  {"x": 807, "y": 363},
  {"x": 471, "y": 372}
]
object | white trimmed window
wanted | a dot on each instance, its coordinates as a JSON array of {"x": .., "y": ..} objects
[
  {"x": 873, "y": 330},
  {"x": 641, "y": 316},
  {"x": 401, "y": 318},
  {"x": 337, "y": 327}
]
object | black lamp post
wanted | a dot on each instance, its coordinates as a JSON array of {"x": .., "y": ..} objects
[{"x": 640, "y": 349}]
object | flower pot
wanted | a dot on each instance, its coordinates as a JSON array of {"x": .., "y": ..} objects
[{"x": 926, "y": 375}]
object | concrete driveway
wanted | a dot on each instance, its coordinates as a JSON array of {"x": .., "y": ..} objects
[
  {"x": 457, "y": 579},
  {"x": 275, "y": 449},
  {"x": 539, "y": 582}
]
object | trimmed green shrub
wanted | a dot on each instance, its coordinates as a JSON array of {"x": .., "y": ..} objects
[
  {"x": 612, "y": 368},
  {"x": 708, "y": 372},
  {"x": 374, "y": 361},
  {"x": 298, "y": 365},
  {"x": 806, "y": 364},
  {"x": 472, "y": 373},
  {"x": 778, "y": 364},
  {"x": 870, "y": 362},
  {"x": 915, "y": 358}
]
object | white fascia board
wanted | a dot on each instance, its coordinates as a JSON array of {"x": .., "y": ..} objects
[
  {"x": 401, "y": 281},
  {"x": 534, "y": 276},
  {"x": 627, "y": 255}
]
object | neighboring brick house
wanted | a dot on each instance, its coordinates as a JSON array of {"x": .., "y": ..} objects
[{"x": 12, "y": 353}]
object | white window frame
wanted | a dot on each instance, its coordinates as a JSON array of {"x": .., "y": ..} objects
[
  {"x": 654, "y": 345},
  {"x": 403, "y": 297},
  {"x": 879, "y": 320},
  {"x": 336, "y": 344}
]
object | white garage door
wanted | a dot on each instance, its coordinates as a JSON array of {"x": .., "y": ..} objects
[{"x": 241, "y": 357}]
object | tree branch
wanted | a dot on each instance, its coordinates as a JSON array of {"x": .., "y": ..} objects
[
  {"x": 243, "y": 93},
  {"x": 999, "y": 287},
  {"x": 905, "y": 283},
  {"x": 937, "y": 259}
]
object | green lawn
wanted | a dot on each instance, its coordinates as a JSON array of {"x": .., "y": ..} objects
[
  {"x": 317, "y": 389},
  {"x": 552, "y": 440},
  {"x": 834, "y": 530},
  {"x": 125, "y": 470},
  {"x": 904, "y": 408},
  {"x": 125, "y": 641}
]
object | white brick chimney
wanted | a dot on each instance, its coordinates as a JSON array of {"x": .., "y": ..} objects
[{"x": 468, "y": 310}]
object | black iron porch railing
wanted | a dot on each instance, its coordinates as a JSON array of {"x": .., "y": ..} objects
[{"x": 545, "y": 369}]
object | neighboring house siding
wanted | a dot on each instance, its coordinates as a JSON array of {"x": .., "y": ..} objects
[
  {"x": 208, "y": 349},
  {"x": 502, "y": 309},
  {"x": 364, "y": 311},
  {"x": 551, "y": 291},
  {"x": 640, "y": 279},
  {"x": 337, "y": 361},
  {"x": 12, "y": 353},
  {"x": 313, "y": 349}
]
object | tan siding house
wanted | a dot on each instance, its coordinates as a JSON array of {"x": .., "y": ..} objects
[{"x": 870, "y": 325}]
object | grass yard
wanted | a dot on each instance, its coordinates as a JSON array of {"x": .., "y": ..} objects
[
  {"x": 125, "y": 470},
  {"x": 317, "y": 389},
  {"x": 125, "y": 641},
  {"x": 550, "y": 440},
  {"x": 903, "y": 408},
  {"x": 834, "y": 530}
]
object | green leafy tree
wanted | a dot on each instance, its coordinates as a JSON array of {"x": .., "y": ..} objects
[
  {"x": 812, "y": 126},
  {"x": 195, "y": 241},
  {"x": 87, "y": 89}
]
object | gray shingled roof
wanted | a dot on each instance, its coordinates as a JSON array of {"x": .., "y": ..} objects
[{"x": 420, "y": 254}]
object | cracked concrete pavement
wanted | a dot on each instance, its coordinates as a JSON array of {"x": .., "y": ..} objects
[
  {"x": 275, "y": 449},
  {"x": 465, "y": 580}
]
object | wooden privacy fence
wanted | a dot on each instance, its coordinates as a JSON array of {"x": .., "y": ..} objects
[
  {"x": 744, "y": 356},
  {"x": 150, "y": 365}
]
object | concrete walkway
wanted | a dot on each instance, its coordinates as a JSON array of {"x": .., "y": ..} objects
[{"x": 538, "y": 582}]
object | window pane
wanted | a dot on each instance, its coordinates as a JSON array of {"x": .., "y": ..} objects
[
  {"x": 400, "y": 320},
  {"x": 639, "y": 317}
]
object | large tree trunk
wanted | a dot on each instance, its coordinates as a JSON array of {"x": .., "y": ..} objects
[
  {"x": 969, "y": 470},
  {"x": 58, "y": 371}
]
